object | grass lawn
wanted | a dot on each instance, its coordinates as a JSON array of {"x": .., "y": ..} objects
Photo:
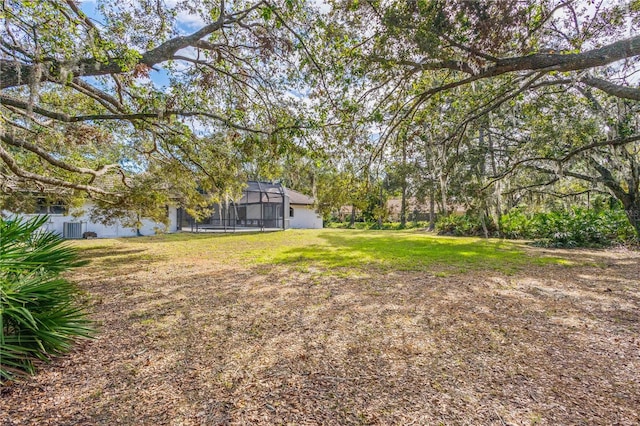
[{"x": 345, "y": 327}]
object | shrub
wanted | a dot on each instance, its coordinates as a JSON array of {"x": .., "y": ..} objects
[
  {"x": 577, "y": 227},
  {"x": 516, "y": 225},
  {"x": 387, "y": 226},
  {"x": 39, "y": 313},
  {"x": 463, "y": 225}
]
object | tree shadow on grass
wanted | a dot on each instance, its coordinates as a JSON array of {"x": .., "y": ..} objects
[
  {"x": 104, "y": 260},
  {"x": 94, "y": 253},
  {"x": 411, "y": 252},
  {"x": 186, "y": 236}
]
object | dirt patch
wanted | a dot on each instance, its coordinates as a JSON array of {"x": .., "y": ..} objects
[{"x": 205, "y": 343}]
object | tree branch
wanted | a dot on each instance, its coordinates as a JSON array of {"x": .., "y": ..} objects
[
  {"x": 605, "y": 55},
  {"x": 567, "y": 157},
  {"x": 66, "y": 118},
  {"x": 54, "y": 161},
  {"x": 15, "y": 168},
  {"x": 616, "y": 90},
  {"x": 609, "y": 181},
  {"x": 13, "y": 73},
  {"x": 608, "y": 142},
  {"x": 427, "y": 65}
]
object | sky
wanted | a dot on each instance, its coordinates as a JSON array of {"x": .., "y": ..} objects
[{"x": 186, "y": 23}]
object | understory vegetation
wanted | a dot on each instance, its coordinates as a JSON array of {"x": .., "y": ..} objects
[
  {"x": 562, "y": 228},
  {"x": 374, "y": 225},
  {"x": 40, "y": 315},
  {"x": 576, "y": 227}
]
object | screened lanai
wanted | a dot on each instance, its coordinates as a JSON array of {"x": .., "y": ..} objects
[{"x": 262, "y": 206}]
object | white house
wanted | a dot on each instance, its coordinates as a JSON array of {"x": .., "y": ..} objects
[
  {"x": 263, "y": 205},
  {"x": 73, "y": 223},
  {"x": 302, "y": 215}
]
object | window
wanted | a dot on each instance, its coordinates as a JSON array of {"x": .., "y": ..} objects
[
  {"x": 271, "y": 211},
  {"x": 44, "y": 206},
  {"x": 241, "y": 212},
  {"x": 290, "y": 211}
]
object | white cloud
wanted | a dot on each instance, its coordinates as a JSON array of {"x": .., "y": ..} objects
[
  {"x": 188, "y": 52},
  {"x": 321, "y": 5},
  {"x": 188, "y": 20}
]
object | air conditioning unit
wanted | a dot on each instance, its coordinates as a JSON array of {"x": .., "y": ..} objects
[{"x": 72, "y": 230}]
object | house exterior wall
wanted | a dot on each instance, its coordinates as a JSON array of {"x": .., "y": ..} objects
[
  {"x": 285, "y": 213},
  {"x": 56, "y": 224},
  {"x": 304, "y": 218}
]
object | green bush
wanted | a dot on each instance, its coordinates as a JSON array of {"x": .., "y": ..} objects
[
  {"x": 39, "y": 313},
  {"x": 463, "y": 225},
  {"x": 577, "y": 227},
  {"x": 390, "y": 226}
]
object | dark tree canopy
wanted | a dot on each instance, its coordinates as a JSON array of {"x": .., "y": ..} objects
[
  {"x": 184, "y": 97},
  {"x": 468, "y": 84},
  {"x": 184, "y": 91}
]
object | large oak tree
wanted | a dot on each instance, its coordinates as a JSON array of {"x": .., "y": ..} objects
[
  {"x": 167, "y": 96},
  {"x": 457, "y": 62}
]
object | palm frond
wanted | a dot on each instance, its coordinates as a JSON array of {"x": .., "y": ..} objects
[{"x": 39, "y": 312}]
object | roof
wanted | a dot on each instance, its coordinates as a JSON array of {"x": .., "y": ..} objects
[
  {"x": 261, "y": 192},
  {"x": 395, "y": 205},
  {"x": 267, "y": 192},
  {"x": 296, "y": 197},
  {"x": 264, "y": 187}
]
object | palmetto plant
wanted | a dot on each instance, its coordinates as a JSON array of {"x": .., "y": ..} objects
[{"x": 39, "y": 312}]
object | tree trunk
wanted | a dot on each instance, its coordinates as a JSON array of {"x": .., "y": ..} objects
[
  {"x": 633, "y": 214},
  {"x": 381, "y": 204},
  {"x": 630, "y": 197},
  {"x": 138, "y": 224},
  {"x": 483, "y": 222},
  {"x": 432, "y": 210},
  {"x": 443, "y": 193},
  {"x": 352, "y": 220},
  {"x": 403, "y": 206},
  {"x": 497, "y": 185},
  {"x": 403, "y": 201}
]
